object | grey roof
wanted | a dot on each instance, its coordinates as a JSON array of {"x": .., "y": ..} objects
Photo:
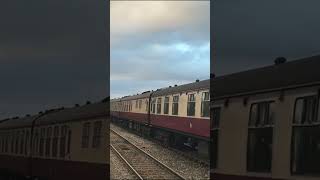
[
  {"x": 205, "y": 84},
  {"x": 60, "y": 115},
  {"x": 281, "y": 76}
]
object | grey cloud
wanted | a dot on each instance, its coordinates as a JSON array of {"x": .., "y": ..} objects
[
  {"x": 249, "y": 34},
  {"x": 52, "y": 53}
]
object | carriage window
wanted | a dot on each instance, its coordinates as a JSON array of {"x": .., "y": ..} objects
[
  {"x": 205, "y": 104},
  {"x": 85, "y": 135},
  {"x": 17, "y": 142},
  {"x": 191, "y": 105},
  {"x": 69, "y": 141},
  {"x": 305, "y": 110},
  {"x": 1, "y": 142},
  {"x": 22, "y": 142},
  {"x": 214, "y": 133},
  {"x": 27, "y": 143},
  {"x": 147, "y": 106},
  {"x": 63, "y": 141},
  {"x": 36, "y": 142},
  {"x": 260, "y": 132},
  {"x": 96, "y": 134},
  {"x": 153, "y": 107},
  {"x": 7, "y": 143},
  {"x": 140, "y": 104},
  {"x": 175, "y": 105},
  {"x": 159, "y": 106},
  {"x": 12, "y": 142},
  {"x": 166, "y": 105},
  {"x": 305, "y": 149},
  {"x": 55, "y": 141},
  {"x": 48, "y": 141},
  {"x": 42, "y": 136}
]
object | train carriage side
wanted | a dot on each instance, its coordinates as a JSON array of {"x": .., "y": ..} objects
[
  {"x": 180, "y": 115},
  {"x": 134, "y": 112},
  {"x": 15, "y": 146},
  {"x": 267, "y": 131},
  {"x": 72, "y": 143},
  {"x": 61, "y": 144},
  {"x": 115, "y": 109}
]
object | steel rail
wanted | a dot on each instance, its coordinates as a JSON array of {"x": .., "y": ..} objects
[{"x": 150, "y": 156}]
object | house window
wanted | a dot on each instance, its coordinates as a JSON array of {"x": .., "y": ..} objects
[
  {"x": 42, "y": 137},
  {"x": 159, "y": 106},
  {"x": 85, "y": 135},
  {"x": 305, "y": 146},
  {"x": 260, "y": 133},
  {"x": 214, "y": 132},
  {"x": 166, "y": 105},
  {"x": 63, "y": 141},
  {"x": 55, "y": 141},
  {"x": 205, "y": 104},
  {"x": 96, "y": 140},
  {"x": 175, "y": 105},
  {"x": 191, "y": 105},
  {"x": 48, "y": 141},
  {"x": 136, "y": 104}
]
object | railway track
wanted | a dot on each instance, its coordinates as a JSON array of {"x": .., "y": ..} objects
[{"x": 140, "y": 162}]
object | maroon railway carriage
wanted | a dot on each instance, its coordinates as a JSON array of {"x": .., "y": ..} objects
[
  {"x": 176, "y": 115},
  {"x": 266, "y": 122},
  {"x": 65, "y": 143}
]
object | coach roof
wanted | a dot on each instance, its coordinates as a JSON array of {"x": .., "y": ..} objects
[
  {"x": 60, "y": 115},
  {"x": 200, "y": 85},
  {"x": 138, "y": 96},
  {"x": 276, "y": 77},
  {"x": 76, "y": 113},
  {"x": 17, "y": 122}
]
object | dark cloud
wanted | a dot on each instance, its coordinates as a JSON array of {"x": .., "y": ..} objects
[
  {"x": 249, "y": 33},
  {"x": 52, "y": 53}
]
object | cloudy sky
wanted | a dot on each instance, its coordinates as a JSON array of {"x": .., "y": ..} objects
[
  {"x": 52, "y": 54},
  {"x": 252, "y": 33},
  {"x": 156, "y": 44}
]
